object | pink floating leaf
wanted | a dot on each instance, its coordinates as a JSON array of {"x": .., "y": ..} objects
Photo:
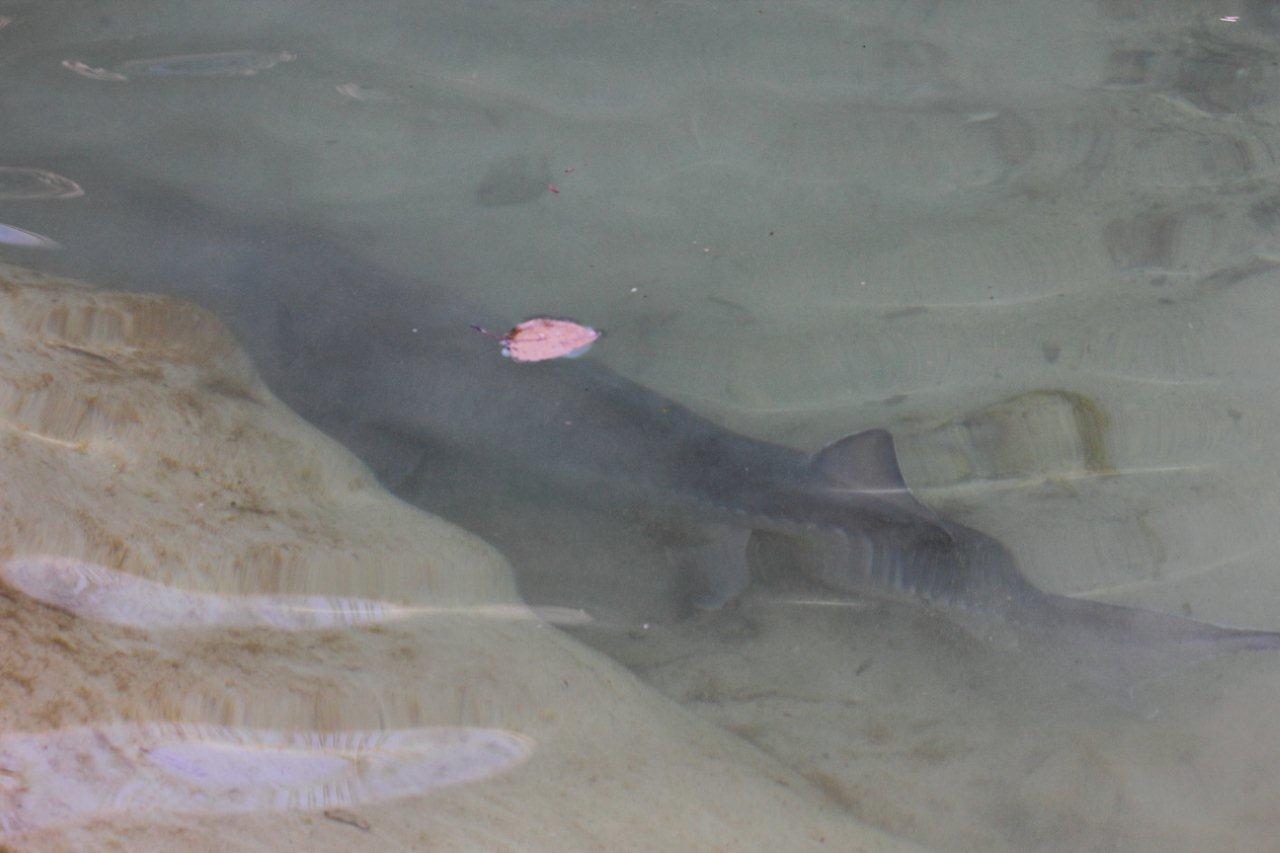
[{"x": 543, "y": 338}]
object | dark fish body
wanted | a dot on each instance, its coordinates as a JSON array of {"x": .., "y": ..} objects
[
  {"x": 383, "y": 363},
  {"x": 845, "y": 517}
]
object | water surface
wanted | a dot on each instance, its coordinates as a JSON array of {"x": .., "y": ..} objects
[{"x": 1038, "y": 243}]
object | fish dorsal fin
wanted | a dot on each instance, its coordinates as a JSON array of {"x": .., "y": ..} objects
[
  {"x": 867, "y": 463},
  {"x": 864, "y": 461}
]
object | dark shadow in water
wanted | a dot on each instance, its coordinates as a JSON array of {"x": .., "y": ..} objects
[{"x": 596, "y": 487}]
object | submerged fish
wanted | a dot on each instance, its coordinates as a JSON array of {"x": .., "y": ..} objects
[
  {"x": 843, "y": 519},
  {"x": 328, "y": 331},
  {"x": 972, "y": 580}
]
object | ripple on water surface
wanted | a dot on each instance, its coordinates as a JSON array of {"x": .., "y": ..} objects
[
  {"x": 233, "y": 63},
  {"x": 21, "y": 183}
]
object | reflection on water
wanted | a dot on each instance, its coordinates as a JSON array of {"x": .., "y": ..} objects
[
  {"x": 1041, "y": 249},
  {"x": 70, "y": 774},
  {"x": 11, "y": 235},
  {"x": 241, "y": 63},
  {"x": 20, "y": 183},
  {"x": 95, "y": 592}
]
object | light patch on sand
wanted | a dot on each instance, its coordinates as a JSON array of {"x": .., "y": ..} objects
[
  {"x": 92, "y": 591},
  {"x": 73, "y": 774}
]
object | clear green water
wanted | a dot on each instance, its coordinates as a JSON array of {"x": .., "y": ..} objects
[{"x": 1038, "y": 242}]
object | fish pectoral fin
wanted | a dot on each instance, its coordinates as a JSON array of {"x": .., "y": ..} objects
[
  {"x": 715, "y": 566},
  {"x": 867, "y": 463}
]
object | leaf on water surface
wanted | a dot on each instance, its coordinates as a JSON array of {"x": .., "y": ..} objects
[{"x": 543, "y": 338}]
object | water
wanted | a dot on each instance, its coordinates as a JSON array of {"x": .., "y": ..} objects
[{"x": 1038, "y": 243}]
